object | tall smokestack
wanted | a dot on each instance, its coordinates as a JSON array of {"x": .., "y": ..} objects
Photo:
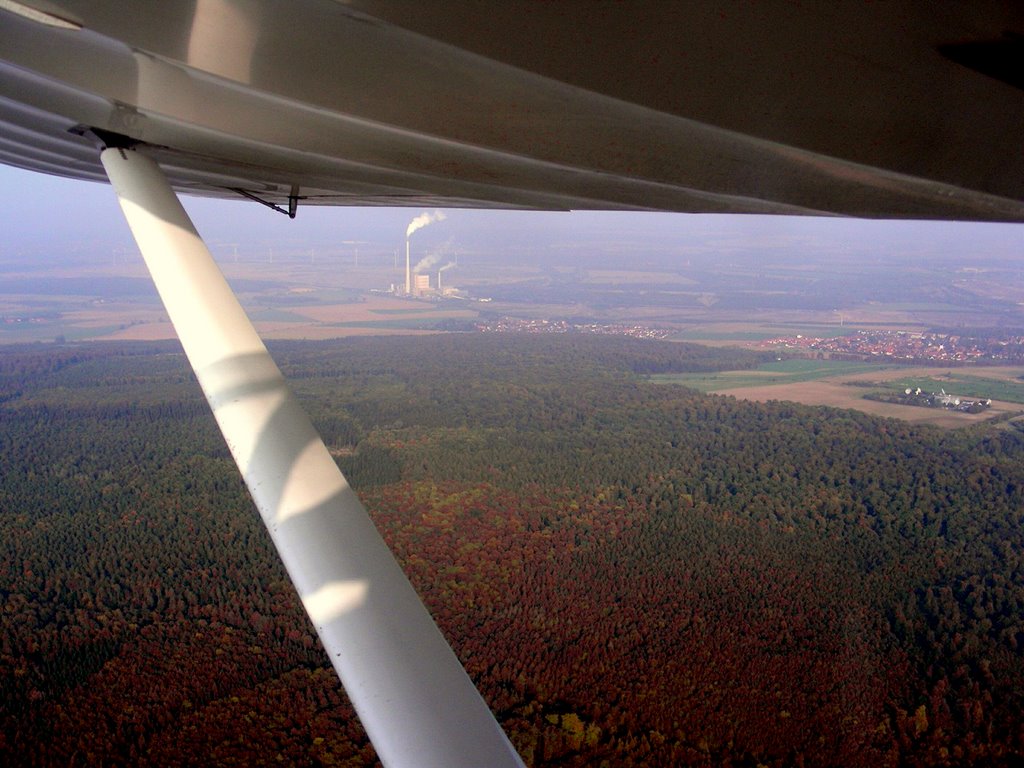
[
  {"x": 449, "y": 265},
  {"x": 419, "y": 222}
]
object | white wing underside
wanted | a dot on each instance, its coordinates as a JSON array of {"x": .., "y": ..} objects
[{"x": 848, "y": 108}]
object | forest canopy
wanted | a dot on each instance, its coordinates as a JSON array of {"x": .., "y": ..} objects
[{"x": 633, "y": 574}]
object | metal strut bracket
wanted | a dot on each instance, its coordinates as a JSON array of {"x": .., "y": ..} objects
[
  {"x": 293, "y": 200},
  {"x": 412, "y": 695}
]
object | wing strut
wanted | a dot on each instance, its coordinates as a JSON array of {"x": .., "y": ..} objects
[{"x": 413, "y": 697}]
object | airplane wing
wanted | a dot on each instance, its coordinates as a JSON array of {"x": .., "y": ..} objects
[{"x": 897, "y": 109}]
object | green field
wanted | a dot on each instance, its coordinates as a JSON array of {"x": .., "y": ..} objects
[
  {"x": 961, "y": 384},
  {"x": 778, "y": 372},
  {"x": 698, "y": 335}
]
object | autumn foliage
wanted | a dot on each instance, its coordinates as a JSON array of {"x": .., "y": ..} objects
[{"x": 634, "y": 575}]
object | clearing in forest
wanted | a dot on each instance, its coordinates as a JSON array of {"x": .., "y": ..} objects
[{"x": 841, "y": 384}]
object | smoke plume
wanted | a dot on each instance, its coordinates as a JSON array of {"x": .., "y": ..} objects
[
  {"x": 434, "y": 256},
  {"x": 422, "y": 220},
  {"x": 426, "y": 262}
]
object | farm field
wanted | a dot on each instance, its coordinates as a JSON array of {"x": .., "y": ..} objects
[
  {"x": 757, "y": 332},
  {"x": 1010, "y": 389},
  {"x": 781, "y": 372},
  {"x": 841, "y": 384},
  {"x": 372, "y": 315},
  {"x": 284, "y": 301}
]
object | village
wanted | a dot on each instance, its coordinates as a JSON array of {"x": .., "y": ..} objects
[{"x": 906, "y": 346}]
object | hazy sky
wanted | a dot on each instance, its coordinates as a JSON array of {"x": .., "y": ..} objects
[{"x": 43, "y": 218}]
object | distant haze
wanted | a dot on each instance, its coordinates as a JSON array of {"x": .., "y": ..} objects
[{"x": 47, "y": 220}]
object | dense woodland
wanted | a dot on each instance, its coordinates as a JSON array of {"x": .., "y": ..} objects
[{"x": 634, "y": 574}]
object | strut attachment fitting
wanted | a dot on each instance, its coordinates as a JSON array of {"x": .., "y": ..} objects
[{"x": 293, "y": 200}]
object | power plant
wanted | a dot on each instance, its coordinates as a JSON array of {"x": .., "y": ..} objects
[{"x": 419, "y": 284}]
